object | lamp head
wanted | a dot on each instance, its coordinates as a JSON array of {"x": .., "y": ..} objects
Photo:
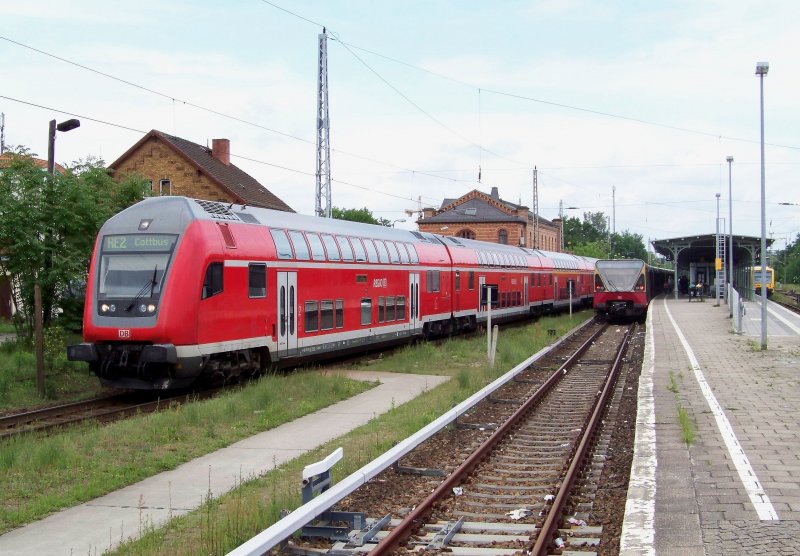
[
  {"x": 729, "y": 159},
  {"x": 68, "y": 125},
  {"x": 762, "y": 68}
]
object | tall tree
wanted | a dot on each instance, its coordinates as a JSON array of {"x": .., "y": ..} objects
[
  {"x": 628, "y": 246},
  {"x": 359, "y": 215},
  {"x": 48, "y": 226}
]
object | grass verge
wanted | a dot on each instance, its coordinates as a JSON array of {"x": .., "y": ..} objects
[
  {"x": 39, "y": 475},
  {"x": 64, "y": 380},
  {"x": 222, "y": 524}
]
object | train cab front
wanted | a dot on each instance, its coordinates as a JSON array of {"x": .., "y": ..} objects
[{"x": 124, "y": 344}]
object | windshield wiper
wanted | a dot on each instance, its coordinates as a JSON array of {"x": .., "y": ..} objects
[{"x": 151, "y": 282}]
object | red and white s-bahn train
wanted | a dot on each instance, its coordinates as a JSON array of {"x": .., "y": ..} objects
[
  {"x": 180, "y": 289},
  {"x": 623, "y": 288}
]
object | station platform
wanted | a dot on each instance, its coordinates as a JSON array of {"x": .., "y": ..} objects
[
  {"x": 734, "y": 488},
  {"x": 99, "y": 525}
]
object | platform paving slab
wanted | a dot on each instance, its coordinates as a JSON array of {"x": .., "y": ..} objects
[
  {"x": 101, "y": 524},
  {"x": 759, "y": 394}
]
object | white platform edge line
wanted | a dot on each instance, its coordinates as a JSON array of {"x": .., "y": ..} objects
[
  {"x": 758, "y": 497},
  {"x": 638, "y": 526}
]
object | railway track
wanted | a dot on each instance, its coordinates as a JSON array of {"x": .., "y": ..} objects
[
  {"x": 104, "y": 409},
  {"x": 505, "y": 478}
]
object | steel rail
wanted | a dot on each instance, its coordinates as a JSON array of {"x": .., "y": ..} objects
[
  {"x": 284, "y": 528},
  {"x": 546, "y": 536},
  {"x": 31, "y": 421},
  {"x": 416, "y": 517},
  {"x": 8, "y": 422}
]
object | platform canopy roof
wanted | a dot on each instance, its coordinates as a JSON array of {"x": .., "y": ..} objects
[{"x": 700, "y": 248}]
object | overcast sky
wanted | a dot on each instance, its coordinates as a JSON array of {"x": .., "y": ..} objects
[{"x": 642, "y": 98}]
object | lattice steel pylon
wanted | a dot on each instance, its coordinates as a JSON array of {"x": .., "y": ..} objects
[
  {"x": 323, "y": 204},
  {"x": 535, "y": 208}
]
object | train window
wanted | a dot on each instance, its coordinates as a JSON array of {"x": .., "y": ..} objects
[
  {"x": 394, "y": 254},
  {"x": 383, "y": 254},
  {"x": 361, "y": 278},
  {"x": 458, "y": 280},
  {"x": 390, "y": 310},
  {"x": 381, "y": 309},
  {"x": 361, "y": 254},
  {"x": 366, "y": 311},
  {"x": 401, "y": 307},
  {"x": 326, "y": 315},
  {"x": 471, "y": 284},
  {"x": 282, "y": 316},
  {"x": 212, "y": 283},
  {"x": 433, "y": 281},
  {"x": 257, "y": 280},
  {"x": 404, "y": 258},
  {"x": 311, "y": 316},
  {"x": 340, "y": 313},
  {"x": 331, "y": 248},
  {"x": 317, "y": 252},
  {"x": 344, "y": 245},
  {"x": 372, "y": 254},
  {"x": 412, "y": 252},
  {"x": 300, "y": 246},
  {"x": 282, "y": 245}
]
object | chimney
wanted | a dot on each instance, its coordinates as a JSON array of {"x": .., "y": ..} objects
[
  {"x": 221, "y": 150},
  {"x": 495, "y": 194}
]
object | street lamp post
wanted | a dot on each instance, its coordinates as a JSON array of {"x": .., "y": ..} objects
[
  {"x": 717, "y": 257},
  {"x": 728, "y": 295},
  {"x": 396, "y": 221},
  {"x": 64, "y": 126},
  {"x": 37, "y": 289},
  {"x": 761, "y": 70}
]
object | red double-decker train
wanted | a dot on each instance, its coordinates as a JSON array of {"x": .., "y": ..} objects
[
  {"x": 623, "y": 288},
  {"x": 180, "y": 289}
]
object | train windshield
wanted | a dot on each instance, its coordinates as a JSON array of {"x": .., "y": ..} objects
[
  {"x": 620, "y": 275},
  {"x": 134, "y": 266}
]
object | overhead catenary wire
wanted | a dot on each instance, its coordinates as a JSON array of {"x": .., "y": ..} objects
[
  {"x": 249, "y": 159},
  {"x": 534, "y": 99},
  {"x": 216, "y": 112}
]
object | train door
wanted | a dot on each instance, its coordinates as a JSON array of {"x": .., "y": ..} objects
[
  {"x": 525, "y": 292},
  {"x": 287, "y": 313},
  {"x": 555, "y": 287},
  {"x": 413, "y": 297},
  {"x": 481, "y": 297}
]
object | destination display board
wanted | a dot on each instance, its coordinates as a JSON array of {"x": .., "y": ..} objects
[{"x": 139, "y": 242}]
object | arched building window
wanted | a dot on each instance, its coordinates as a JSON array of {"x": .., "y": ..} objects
[
  {"x": 502, "y": 237},
  {"x": 466, "y": 234}
]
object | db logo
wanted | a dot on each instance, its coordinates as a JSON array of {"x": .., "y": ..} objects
[{"x": 124, "y": 333}]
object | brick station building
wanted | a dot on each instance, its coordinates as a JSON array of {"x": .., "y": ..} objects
[
  {"x": 175, "y": 166},
  {"x": 477, "y": 215}
]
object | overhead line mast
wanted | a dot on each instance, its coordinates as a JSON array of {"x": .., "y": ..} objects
[{"x": 323, "y": 206}]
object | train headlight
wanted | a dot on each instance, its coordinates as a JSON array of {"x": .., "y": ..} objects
[
  {"x": 151, "y": 308},
  {"x": 104, "y": 308}
]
